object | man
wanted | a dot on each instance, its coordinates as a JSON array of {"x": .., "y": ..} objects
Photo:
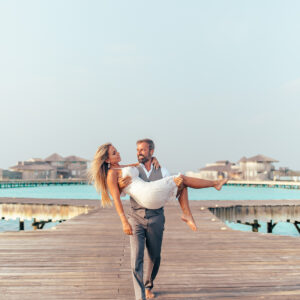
[{"x": 147, "y": 227}]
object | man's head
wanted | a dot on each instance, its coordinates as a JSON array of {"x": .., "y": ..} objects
[{"x": 145, "y": 150}]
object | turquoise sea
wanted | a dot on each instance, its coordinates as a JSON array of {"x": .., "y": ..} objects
[
  {"x": 88, "y": 192},
  {"x": 13, "y": 225},
  {"x": 281, "y": 228},
  {"x": 227, "y": 193}
]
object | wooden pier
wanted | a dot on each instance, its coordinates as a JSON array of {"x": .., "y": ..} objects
[
  {"x": 39, "y": 182},
  {"x": 88, "y": 257}
]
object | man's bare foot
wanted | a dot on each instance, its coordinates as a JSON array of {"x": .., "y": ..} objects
[
  {"x": 149, "y": 294},
  {"x": 220, "y": 183},
  {"x": 190, "y": 221}
]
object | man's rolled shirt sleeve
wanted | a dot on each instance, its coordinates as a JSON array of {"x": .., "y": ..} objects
[{"x": 165, "y": 172}]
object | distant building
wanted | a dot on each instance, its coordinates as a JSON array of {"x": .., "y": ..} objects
[
  {"x": 217, "y": 170},
  {"x": 77, "y": 166},
  {"x": 285, "y": 174},
  {"x": 258, "y": 167},
  {"x": 6, "y": 175},
  {"x": 32, "y": 170},
  {"x": 52, "y": 167},
  {"x": 58, "y": 162}
]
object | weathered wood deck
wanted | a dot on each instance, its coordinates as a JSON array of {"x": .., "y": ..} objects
[{"x": 88, "y": 257}]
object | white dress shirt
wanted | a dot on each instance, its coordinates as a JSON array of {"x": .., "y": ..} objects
[{"x": 164, "y": 171}]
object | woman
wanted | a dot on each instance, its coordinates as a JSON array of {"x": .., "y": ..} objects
[{"x": 106, "y": 171}]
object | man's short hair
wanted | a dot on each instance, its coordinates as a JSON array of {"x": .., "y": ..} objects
[{"x": 148, "y": 141}]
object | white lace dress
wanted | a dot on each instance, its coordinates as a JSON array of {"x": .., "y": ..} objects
[{"x": 151, "y": 195}]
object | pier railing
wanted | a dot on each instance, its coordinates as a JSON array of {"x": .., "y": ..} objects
[{"x": 270, "y": 184}]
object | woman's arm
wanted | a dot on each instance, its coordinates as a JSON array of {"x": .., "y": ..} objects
[{"x": 112, "y": 182}]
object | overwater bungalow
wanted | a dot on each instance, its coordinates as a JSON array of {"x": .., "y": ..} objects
[
  {"x": 217, "y": 170},
  {"x": 77, "y": 166},
  {"x": 30, "y": 170},
  {"x": 258, "y": 167},
  {"x": 7, "y": 174},
  {"x": 52, "y": 167}
]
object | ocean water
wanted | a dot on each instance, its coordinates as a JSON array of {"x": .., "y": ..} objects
[
  {"x": 13, "y": 225},
  {"x": 88, "y": 192},
  {"x": 281, "y": 228},
  {"x": 227, "y": 193}
]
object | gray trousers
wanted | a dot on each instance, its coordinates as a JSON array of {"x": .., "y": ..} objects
[{"x": 149, "y": 231}]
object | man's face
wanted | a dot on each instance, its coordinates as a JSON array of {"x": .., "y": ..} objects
[{"x": 143, "y": 152}]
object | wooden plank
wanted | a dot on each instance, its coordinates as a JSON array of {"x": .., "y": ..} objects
[{"x": 88, "y": 257}]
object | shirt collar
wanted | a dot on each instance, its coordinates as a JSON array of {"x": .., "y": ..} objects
[{"x": 146, "y": 171}]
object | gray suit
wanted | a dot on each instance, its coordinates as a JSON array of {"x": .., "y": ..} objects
[{"x": 147, "y": 226}]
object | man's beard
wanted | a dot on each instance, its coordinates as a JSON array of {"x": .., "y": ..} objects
[{"x": 142, "y": 159}]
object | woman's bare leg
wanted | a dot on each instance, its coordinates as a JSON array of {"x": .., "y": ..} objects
[
  {"x": 184, "y": 204},
  {"x": 183, "y": 199},
  {"x": 197, "y": 183}
]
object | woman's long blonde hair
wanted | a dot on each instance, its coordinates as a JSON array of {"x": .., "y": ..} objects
[{"x": 98, "y": 173}]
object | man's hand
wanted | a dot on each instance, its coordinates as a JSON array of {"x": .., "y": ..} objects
[
  {"x": 155, "y": 163},
  {"x": 124, "y": 182}
]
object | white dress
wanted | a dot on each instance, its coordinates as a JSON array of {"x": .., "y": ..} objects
[{"x": 153, "y": 194}]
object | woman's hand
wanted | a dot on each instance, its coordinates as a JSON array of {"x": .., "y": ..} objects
[
  {"x": 155, "y": 163},
  {"x": 127, "y": 228},
  {"x": 124, "y": 182}
]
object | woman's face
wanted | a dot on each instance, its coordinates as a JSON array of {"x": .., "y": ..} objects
[{"x": 113, "y": 155}]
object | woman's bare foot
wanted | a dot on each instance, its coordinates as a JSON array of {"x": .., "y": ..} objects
[
  {"x": 149, "y": 294},
  {"x": 220, "y": 183},
  {"x": 190, "y": 221}
]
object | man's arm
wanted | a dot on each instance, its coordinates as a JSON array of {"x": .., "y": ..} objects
[{"x": 124, "y": 182}]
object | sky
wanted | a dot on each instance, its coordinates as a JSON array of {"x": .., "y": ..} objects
[{"x": 206, "y": 80}]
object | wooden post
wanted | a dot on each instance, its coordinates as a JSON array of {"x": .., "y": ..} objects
[
  {"x": 21, "y": 225},
  {"x": 296, "y": 225},
  {"x": 34, "y": 226},
  {"x": 255, "y": 226},
  {"x": 270, "y": 226}
]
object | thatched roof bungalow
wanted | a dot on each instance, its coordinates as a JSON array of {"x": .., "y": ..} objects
[
  {"x": 74, "y": 158},
  {"x": 258, "y": 167},
  {"x": 7, "y": 174},
  {"x": 35, "y": 171},
  {"x": 77, "y": 166},
  {"x": 220, "y": 169},
  {"x": 53, "y": 166},
  {"x": 217, "y": 170},
  {"x": 261, "y": 159},
  {"x": 54, "y": 158}
]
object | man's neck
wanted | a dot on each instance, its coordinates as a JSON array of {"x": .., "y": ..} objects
[{"x": 147, "y": 165}]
